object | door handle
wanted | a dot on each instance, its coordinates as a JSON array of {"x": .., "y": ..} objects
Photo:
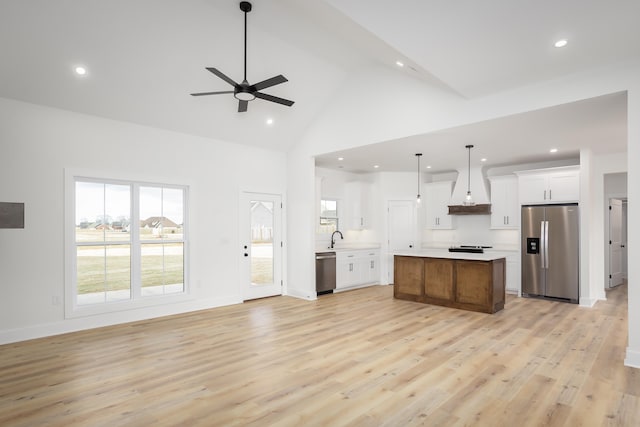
[
  {"x": 546, "y": 241},
  {"x": 542, "y": 244}
]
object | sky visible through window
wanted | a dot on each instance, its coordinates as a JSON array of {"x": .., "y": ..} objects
[{"x": 91, "y": 199}]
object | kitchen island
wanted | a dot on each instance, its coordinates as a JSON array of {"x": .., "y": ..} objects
[{"x": 468, "y": 281}]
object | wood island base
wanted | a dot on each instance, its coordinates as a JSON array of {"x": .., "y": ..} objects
[{"x": 458, "y": 283}]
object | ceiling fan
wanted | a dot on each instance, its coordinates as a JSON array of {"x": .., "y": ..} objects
[{"x": 245, "y": 92}]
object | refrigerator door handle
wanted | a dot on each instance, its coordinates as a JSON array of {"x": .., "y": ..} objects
[
  {"x": 542, "y": 244},
  {"x": 546, "y": 244}
]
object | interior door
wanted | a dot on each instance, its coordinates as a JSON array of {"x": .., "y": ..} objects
[
  {"x": 261, "y": 244},
  {"x": 402, "y": 229},
  {"x": 616, "y": 272}
]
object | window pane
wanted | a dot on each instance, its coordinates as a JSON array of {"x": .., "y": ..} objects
[
  {"x": 117, "y": 212},
  {"x": 261, "y": 243},
  {"x": 150, "y": 213},
  {"x": 118, "y": 280},
  {"x": 90, "y": 274},
  {"x": 329, "y": 208},
  {"x": 89, "y": 212},
  {"x": 162, "y": 268},
  {"x": 173, "y": 268},
  {"x": 173, "y": 212}
]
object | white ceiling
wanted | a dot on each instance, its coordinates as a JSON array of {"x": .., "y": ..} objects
[{"x": 145, "y": 57}]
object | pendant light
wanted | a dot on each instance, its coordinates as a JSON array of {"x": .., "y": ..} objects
[
  {"x": 418, "y": 155},
  {"x": 468, "y": 200}
]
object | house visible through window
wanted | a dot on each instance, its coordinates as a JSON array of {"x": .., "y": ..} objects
[
  {"x": 328, "y": 216},
  {"x": 129, "y": 241}
]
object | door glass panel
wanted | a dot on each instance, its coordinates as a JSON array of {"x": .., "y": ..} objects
[{"x": 261, "y": 242}]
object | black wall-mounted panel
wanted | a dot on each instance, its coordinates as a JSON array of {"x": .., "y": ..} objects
[{"x": 11, "y": 215}]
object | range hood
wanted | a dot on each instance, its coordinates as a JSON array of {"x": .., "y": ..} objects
[{"x": 478, "y": 189}]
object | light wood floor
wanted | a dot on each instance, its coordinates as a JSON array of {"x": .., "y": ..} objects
[{"x": 355, "y": 358}]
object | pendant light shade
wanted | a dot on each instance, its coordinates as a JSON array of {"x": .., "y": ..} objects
[
  {"x": 418, "y": 155},
  {"x": 468, "y": 200}
]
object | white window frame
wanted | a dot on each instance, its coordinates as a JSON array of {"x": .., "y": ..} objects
[{"x": 72, "y": 309}]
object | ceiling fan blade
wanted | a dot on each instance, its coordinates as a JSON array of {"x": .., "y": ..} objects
[
  {"x": 222, "y": 76},
  {"x": 270, "y": 82},
  {"x": 242, "y": 106},
  {"x": 274, "y": 99},
  {"x": 211, "y": 93}
]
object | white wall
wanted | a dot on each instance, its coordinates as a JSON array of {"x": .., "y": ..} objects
[
  {"x": 38, "y": 143},
  {"x": 633, "y": 231}
]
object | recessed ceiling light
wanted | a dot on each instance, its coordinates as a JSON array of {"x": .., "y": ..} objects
[
  {"x": 376, "y": 166},
  {"x": 80, "y": 70},
  {"x": 553, "y": 150},
  {"x": 560, "y": 43},
  {"x": 400, "y": 63},
  {"x": 340, "y": 158},
  {"x": 269, "y": 122},
  {"x": 483, "y": 160},
  {"x": 429, "y": 167}
]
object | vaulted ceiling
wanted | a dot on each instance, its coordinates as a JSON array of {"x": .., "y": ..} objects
[{"x": 144, "y": 57}]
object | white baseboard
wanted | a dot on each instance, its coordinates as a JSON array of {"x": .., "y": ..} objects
[
  {"x": 633, "y": 358},
  {"x": 298, "y": 293},
  {"x": 588, "y": 302},
  {"x": 109, "y": 319}
]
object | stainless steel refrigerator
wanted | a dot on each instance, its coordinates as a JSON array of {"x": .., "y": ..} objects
[{"x": 551, "y": 252}]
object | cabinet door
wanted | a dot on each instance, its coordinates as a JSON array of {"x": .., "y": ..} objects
[
  {"x": 348, "y": 273},
  {"x": 438, "y": 278},
  {"x": 513, "y": 274},
  {"x": 564, "y": 187},
  {"x": 473, "y": 284},
  {"x": 408, "y": 277},
  {"x": 533, "y": 189},
  {"x": 371, "y": 267},
  {"x": 438, "y": 199},
  {"x": 359, "y": 196},
  {"x": 505, "y": 209}
]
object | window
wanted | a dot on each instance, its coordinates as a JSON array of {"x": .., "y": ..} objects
[
  {"x": 328, "y": 216},
  {"x": 129, "y": 241}
]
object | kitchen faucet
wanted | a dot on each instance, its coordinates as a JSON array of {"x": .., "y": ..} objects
[{"x": 333, "y": 242}]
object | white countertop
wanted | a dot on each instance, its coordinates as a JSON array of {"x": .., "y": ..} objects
[
  {"x": 349, "y": 248},
  {"x": 444, "y": 253}
]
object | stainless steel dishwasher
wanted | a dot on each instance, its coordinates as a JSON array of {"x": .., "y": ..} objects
[{"x": 325, "y": 272}]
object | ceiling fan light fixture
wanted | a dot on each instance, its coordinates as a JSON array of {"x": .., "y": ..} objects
[
  {"x": 245, "y": 92},
  {"x": 244, "y": 96}
]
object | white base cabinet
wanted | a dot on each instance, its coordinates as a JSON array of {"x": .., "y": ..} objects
[
  {"x": 357, "y": 268},
  {"x": 512, "y": 283}
]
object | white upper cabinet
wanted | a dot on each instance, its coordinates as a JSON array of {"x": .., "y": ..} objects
[
  {"x": 358, "y": 196},
  {"x": 505, "y": 209},
  {"x": 437, "y": 198},
  {"x": 557, "y": 185}
]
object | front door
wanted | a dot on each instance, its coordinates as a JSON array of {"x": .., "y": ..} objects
[{"x": 261, "y": 244}]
